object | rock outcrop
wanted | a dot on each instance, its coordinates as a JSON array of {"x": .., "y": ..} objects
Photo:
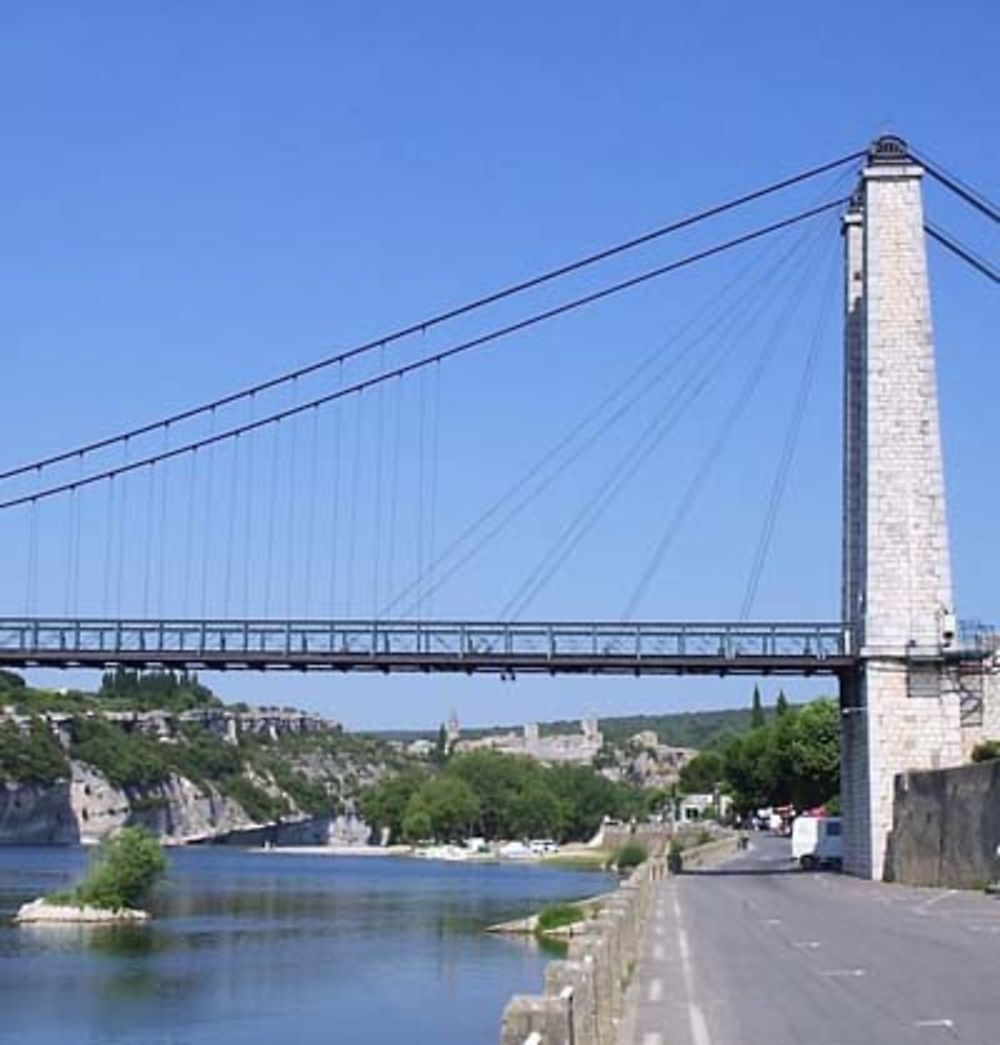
[
  {"x": 44, "y": 911},
  {"x": 36, "y": 814}
]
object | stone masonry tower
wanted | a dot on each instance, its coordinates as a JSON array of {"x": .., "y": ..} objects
[{"x": 899, "y": 711}]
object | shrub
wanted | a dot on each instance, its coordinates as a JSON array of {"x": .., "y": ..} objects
[
  {"x": 124, "y": 872},
  {"x": 556, "y": 915},
  {"x": 10, "y": 680},
  {"x": 629, "y": 856},
  {"x": 32, "y": 758},
  {"x": 986, "y": 751},
  {"x": 126, "y": 759},
  {"x": 261, "y": 807}
]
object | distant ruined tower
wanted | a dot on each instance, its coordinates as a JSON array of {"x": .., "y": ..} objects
[
  {"x": 899, "y": 712},
  {"x": 452, "y": 730}
]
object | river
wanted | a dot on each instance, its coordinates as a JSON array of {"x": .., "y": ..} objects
[{"x": 251, "y": 948}]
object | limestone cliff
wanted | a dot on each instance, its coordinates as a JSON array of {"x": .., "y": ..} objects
[
  {"x": 87, "y": 807},
  {"x": 176, "y": 810},
  {"x": 37, "y": 814}
]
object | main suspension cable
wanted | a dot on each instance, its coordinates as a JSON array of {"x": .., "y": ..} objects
[
  {"x": 426, "y": 361},
  {"x": 553, "y": 465},
  {"x": 440, "y": 318},
  {"x": 972, "y": 196},
  {"x": 715, "y": 449},
  {"x": 788, "y": 450},
  {"x": 967, "y": 255}
]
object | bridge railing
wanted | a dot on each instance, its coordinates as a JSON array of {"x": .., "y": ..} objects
[{"x": 432, "y": 645}]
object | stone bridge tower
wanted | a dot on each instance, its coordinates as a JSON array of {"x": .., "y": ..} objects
[{"x": 899, "y": 710}]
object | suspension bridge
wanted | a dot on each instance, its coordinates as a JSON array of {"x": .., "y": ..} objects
[{"x": 246, "y": 531}]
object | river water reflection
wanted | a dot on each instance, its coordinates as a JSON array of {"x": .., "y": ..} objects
[{"x": 252, "y": 948}]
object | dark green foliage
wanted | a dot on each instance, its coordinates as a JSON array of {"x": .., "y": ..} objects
[
  {"x": 261, "y": 807},
  {"x": 781, "y": 707},
  {"x": 10, "y": 680},
  {"x": 451, "y": 804},
  {"x": 628, "y": 856},
  {"x": 500, "y": 796},
  {"x": 556, "y": 915},
  {"x": 34, "y": 757},
  {"x": 794, "y": 759},
  {"x": 703, "y": 773},
  {"x": 385, "y": 805},
  {"x": 128, "y": 760},
  {"x": 417, "y": 825},
  {"x": 155, "y": 690},
  {"x": 126, "y": 868},
  {"x": 756, "y": 710},
  {"x": 986, "y": 751},
  {"x": 440, "y": 753},
  {"x": 202, "y": 756}
]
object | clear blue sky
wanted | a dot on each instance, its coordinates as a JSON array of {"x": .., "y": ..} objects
[{"x": 200, "y": 195}]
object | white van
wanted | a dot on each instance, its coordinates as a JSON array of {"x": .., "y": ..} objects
[{"x": 816, "y": 842}]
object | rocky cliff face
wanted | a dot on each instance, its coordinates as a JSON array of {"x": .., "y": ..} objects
[
  {"x": 87, "y": 808},
  {"x": 176, "y": 811},
  {"x": 34, "y": 814}
]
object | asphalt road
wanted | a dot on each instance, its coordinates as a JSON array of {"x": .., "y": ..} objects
[{"x": 758, "y": 952}]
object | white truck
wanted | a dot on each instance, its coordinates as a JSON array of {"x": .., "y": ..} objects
[{"x": 816, "y": 842}]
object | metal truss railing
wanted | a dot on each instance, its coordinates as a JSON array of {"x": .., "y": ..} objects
[{"x": 430, "y": 645}]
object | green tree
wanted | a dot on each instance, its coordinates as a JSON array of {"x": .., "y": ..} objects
[
  {"x": 385, "y": 804},
  {"x": 127, "y": 867},
  {"x": 815, "y": 754},
  {"x": 417, "y": 825},
  {"x": 126, "y": 759},
  {"x": 781, "y": 707},
  {"x": 440, "y": 753},
  {"x": 496, "y": 781},
  {"x": 703, "y": 773},
  {"x": 452, "y": 806},
  {"x": 536, "y": 812},
  {"x": 33, "y": 757},
  {"x": 757, "y": 719}
]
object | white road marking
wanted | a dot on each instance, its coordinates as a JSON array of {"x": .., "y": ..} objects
[
  {"x": 658, "y": 928},
  {"x": 659, "y": 952},
  {"x": 652, "y": 1038},
  {"x": 949, "y": 1024},
  {"x": 655, "y": 989},
  {"x": 696, "y": 1018},
  {"x": 924, "y": 907},
  {"x": 773, "y": 921},
  {"x": 844, "y": 972},
  {"x": 807, "y": 945}
]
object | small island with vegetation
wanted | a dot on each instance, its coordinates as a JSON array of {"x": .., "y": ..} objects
[{"x": 117, "y": 887}]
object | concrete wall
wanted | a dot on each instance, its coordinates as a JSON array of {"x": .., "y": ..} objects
[{"x": 946, "y": 827}]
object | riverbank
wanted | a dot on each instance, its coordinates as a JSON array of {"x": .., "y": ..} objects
[{"x": 242, "y": 948}]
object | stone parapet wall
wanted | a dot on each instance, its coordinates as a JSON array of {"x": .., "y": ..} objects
[
  {"x": 946, "y": 828},
  {"x": 584, "y": 995},
  {"x": 652, "y": 837}
]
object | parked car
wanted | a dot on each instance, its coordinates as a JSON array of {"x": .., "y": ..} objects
[
  {"x": 816, "y": 842},
  {"x": 541, "y": 846}
]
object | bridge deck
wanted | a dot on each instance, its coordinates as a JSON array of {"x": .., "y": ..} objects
[{"x": 449, "y": 646}]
